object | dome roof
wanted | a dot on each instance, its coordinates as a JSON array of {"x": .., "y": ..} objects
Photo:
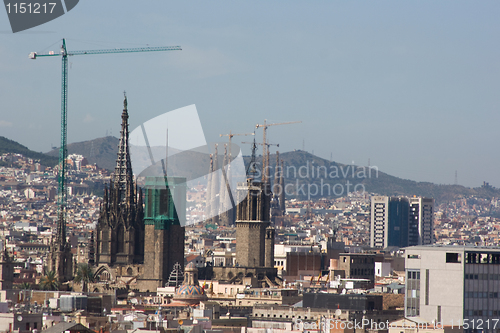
[
  {"x": 186, "y": 290},
  {"x": 190, "y": 266}
]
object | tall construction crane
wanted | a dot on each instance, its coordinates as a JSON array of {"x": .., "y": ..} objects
[
  {"x": 62, "y": 191},
  {"x": 230, "y": 137},
  {"x": 263, "y": 144},
  {"x": 265, "y": 162},
  {"x": 251, "y": 166}
]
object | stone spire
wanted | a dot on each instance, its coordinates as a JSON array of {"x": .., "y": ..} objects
[
  {"x": 123, "y": 179},
  {"x": 60, "y": 257},
  {"x": 119, "y": 236}
]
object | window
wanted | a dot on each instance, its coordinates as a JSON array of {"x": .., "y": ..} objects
[
  {"x": 413, "y": 293},
  {"x": 453, "y": 257}
]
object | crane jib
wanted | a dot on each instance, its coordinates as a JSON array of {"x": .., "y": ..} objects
[{"x": 34, "y": 55}]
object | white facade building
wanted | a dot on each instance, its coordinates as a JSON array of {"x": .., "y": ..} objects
[{"x": 446, "y": 284}]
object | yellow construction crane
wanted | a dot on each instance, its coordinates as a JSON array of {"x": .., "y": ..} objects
[
  {"x": 265, "y": 161},
  {"x": 230, "y": 137}
]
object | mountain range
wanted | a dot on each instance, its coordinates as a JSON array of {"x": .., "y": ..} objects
[{"x": 307, "y": 175}]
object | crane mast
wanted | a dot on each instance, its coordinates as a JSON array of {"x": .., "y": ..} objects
[
  {"x": 265, "y": 159},
  {"x": 63, "y": 152}
]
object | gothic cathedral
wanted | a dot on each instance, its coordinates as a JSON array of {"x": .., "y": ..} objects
[{"x": 122, "y": 258}]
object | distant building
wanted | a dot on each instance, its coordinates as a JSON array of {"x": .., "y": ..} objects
[
  {"x": 358, "y": 266},
  {"x": 401, "y": 222},
  {"x": 22, "y": 322},
  {"x": 421, "y": 228},
  {"x": 356, "y": 302},
  {"x": 383, "y": 269},
  {"x": 449, "y": 283},
  {"x": 389, "y": 222}
]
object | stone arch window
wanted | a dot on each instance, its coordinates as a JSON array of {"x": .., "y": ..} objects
[
  {"x": 120, "y": 239},
  {"x": 129, "y": 271},
  {"x": 104, "y": 276},
  {"x": 230, "y": 275}
]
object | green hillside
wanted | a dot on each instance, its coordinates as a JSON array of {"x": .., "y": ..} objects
[
  {"x": 101, "y": 151},
  {"x": 9, "y": 146}
]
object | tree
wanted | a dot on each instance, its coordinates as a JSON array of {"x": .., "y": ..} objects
[
  {"x": 25, "y": 286},
  {"x": 49, "y": 281},
  {"x": 84, "y": 275}
]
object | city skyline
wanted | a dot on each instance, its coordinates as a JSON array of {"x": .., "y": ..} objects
[{"x": 410, "y": 87}]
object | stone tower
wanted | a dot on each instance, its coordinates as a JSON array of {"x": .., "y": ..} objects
[
  {"x": 254, "y": 236},
  {"x": 164, "y": 234},
  {"x": 60, "y": 259},
  {"x": 6, "y": 270},
  {"x": 120, "y": 228}
]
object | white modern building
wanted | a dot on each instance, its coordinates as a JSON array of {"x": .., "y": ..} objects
[
  {"x": 445, "y": 284},
  {"x": 379, "y": 221}
]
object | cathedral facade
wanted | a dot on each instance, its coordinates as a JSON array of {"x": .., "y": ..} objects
[{"x": 122, "y": 257}]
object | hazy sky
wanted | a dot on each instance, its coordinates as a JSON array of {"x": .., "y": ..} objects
[{"x": 414, "y": 86}]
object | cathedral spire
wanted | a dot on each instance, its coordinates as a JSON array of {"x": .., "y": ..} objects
[
  {"x": 123, "y": 171},
  {"x": 61, "y": 234}
]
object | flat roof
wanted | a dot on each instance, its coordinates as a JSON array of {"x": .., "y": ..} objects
[{"x": 438, "y": 247}]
